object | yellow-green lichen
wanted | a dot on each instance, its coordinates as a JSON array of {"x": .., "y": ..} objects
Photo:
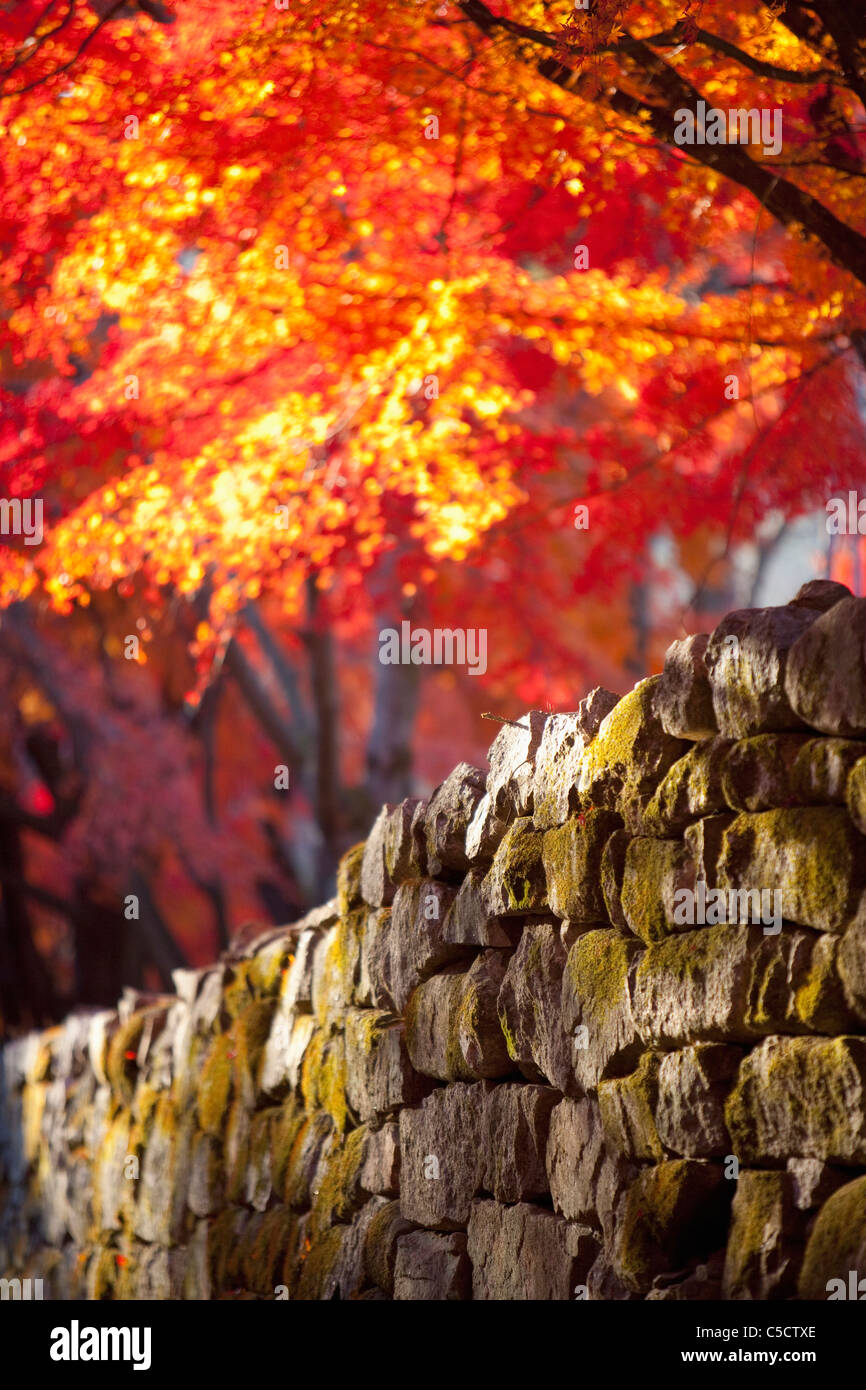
[
  {"x": 336, "y": 1189},
  {"x": 122, "y": 1064},
  {"x": 215, "y": 1086},
  {"x": 349, "y": 880}
]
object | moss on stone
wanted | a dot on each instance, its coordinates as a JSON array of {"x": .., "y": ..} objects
[
  {"x": 598, "y": 965},
  {"x": 652, "y": 869},
  {"x": 811, "y": 854},
  {"x": 215, "y": 1085},
  {"x": 319, "y": 1263},
  {"x": 571, "y": 855},
  {"x": 121, "y": 1063},
  {"x": 337, "y": 1191},
  {"x": 820, "y": 998},
  {"x": 836, "y": 1244},
  {"x": 102, "y": 1275},
  {"x": 237, "y": 993},
  {"x": 284, "y": 1131},
  {"x": 349, "y": 880},
  {"x": 673, "y": 1212},
  {"x": 225, "y": 1234},
  {"x": 628, "y": 1107},
  {"x": 332, "y": 1082},
  {"x": 236, "y": 1151},
  {"x": 267, "y": 966}
]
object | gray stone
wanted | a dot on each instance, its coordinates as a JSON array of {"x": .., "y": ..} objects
[
  {"x": 684, "y": 700},
  {"x": 377, "y": 886},
  {"x": 405, "y": 844},
  {"x": 800, "y": 1097},
  {"x": 765, "y": 1244},
  {"x": 825, "y": 677},
  {"x": 379, "y": 1073},
  {"x": 525, "y": 1253},
  {"x": 432, "y": 1268},
  {"x": 380, "y": 1171},
  {"x": 529, "y": 1008},
  {"x": 746, "y": 658},
  {"x": 449, "y": 813},
  {"x": 483, "y": 833},
  {"x": 596, "y": 1006},
  {"x": 442, "y": 1156},
  {"x": 516, "y": 1124},
  {"x": 452, "y": 1028},
  {"x": 587, "y": 1181},
  {"x": 512, "y": 765},
  {"x": 557, "y": 770},
  {"x": 693, "y": 1086},
  {"x": 417, "y": 947},
  {"x": 469, "y": 921}
]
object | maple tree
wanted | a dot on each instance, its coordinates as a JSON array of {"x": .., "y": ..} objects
[{"x": 315, "y": 316}]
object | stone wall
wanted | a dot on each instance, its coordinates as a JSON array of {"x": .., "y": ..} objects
[{"x": 543, "y": 1043}]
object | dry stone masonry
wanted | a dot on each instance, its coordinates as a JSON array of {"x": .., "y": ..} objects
[{"x": 591, "y": 1024}]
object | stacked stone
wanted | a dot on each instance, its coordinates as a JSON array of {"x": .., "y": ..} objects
[{"x": 500, "y": 1065}]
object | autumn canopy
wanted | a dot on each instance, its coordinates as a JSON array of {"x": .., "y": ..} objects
[{"x": 337, "y": 312}]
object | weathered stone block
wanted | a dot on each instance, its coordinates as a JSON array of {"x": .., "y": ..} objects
[
  {"x": 442, "y": 1156},
  {"x": 836, "y": 1249},
  {"x": 512, "y": 765},
  {"x": 452, "y": 1027},
  {"x": 380, "y": 1174},
  {"x": 417, "y": 948},
  {"x": 515, "y": 883},
  {"x": 811, "y": 855},
  {"x": 627, "y": 1107},
  {"x": 405, "y": 841},
  {"x": 432, "y": 1268},
  {"x": 684, "y": 700},
  {"x": 719, "y": 984},
  {"x": 380, "y": 1246},
  {"x": 655, "y": 871},
  {"x": 529, "y": 1008},
  {"x": 449, "y": 812},
  {"x": 629, "y": 756},
  {"x": 825, "y": 676},
  {"x": 765, "y": 1244},
  {"x": 557, "y": 770},
  {"x": 673, "y": 1214},
  {"x": 746, "y": 659},
  {"x": 800, "y": 1097},
  {"x": 691, "y": 789},
  {"x": 377, "y": 885},
  {"x": 524, "y": 1252},
  {"x": 379, "y": 1074},
  {"x": 572, "y": 864},
  {"x": 693, "y": 1085},
  {"x": 516, "y": 1124},
  {"x": 469, "y": 921},
  {"x": 587, "y": 1181},
  {"x": 596, "y": 1006}
]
